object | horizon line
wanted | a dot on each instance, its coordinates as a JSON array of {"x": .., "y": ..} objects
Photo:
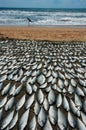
[{"x": 43, "y": 7}]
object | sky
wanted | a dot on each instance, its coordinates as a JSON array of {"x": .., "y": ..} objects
[{"x": 44, "y": 3}]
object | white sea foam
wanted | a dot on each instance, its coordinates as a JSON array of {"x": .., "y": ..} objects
[{"x": 19, "y": 17}]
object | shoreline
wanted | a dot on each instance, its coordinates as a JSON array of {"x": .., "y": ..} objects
[
  {"x": 46, "y": 26},
  {"x": 43, "y": 33}
]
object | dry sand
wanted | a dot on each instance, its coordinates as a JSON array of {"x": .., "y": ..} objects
[{"x": 43, "y": 33}]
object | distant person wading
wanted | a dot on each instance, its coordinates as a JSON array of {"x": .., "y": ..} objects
[{"x": 29, "y": 20}]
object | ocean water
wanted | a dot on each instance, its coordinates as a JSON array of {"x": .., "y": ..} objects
[{"x": 42, "y": 17}]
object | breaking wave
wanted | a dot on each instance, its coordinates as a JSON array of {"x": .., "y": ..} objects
[{"x": 42, "y": 17}]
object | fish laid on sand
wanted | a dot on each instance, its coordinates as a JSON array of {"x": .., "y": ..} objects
[{"x": 42, "y": 85}]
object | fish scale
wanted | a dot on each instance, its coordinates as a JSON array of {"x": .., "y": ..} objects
[{"x": 42, "y": 85}]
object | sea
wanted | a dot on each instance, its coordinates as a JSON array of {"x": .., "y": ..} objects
[{"x": 42, "y": 16}]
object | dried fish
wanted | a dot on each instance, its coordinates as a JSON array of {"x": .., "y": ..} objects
[
  {"x": 51, "y": 97},
  {"x": 32, "y": 125},
  {"x": 23, "y": 120},
  {"x": 20, "y": 102},
  {"x": 42, "y": 117},
  {"x": 40, "y": 96},
  {"x": 13, "y": 121},
  {"x": 53, "y": 115},
  {"x": 6, "y": 89},
  {"x": 29, "y": 102},
  {"x": 9, "y": 104},
  {"x": 7, "y": 120},
  {"x": 3, "y": 101}
]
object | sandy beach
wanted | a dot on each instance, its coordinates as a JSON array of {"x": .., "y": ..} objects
[{"x": 43, "y": 33}]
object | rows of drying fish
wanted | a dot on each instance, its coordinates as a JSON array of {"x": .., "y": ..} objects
[{"x": 42, "y": 85}]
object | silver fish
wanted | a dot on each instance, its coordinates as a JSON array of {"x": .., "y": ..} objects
[
  {"x": 20, "y": 72},
  {"x": 54, "y": 86},
  {"x": 34, "y": 88},
  {"x": 60, "y": 75},
  {"x": 83, "y": 116},
  {"x": 84, "y": 105},
  {"x": 13, "y": 121},
  {"x": 42, "y": 117},
  {"x": 82, "y": 82},
  {"x": 66, "y": 104},
  {"x": 71, "y": 120},
  {"x": 40, "y": 96},
  {"x": 2, "y": 78},
  {"x": 36, "y": 108},
  {"x": 54, "y": 80},
  {"x": 59, "y": 100},
  {"x": 34, "y": 73},
  {"x": 73, "y": 83},
  {"x": 60, "y": 84},
  {"x": 66, "y": 83},
  {"x": 6, "y": 89},
  {"x": 84, "y": 90},
  {"x": 9, "y": 104},
  {"x": 47, "y": 89},
  {"x": 34, "y": 67},
  {"x": 79, "y": 91},
  {"x": 53, "y": 115},
  {"x": 46, "y": 104},
  {"x": 20, "y": 102},
  {"x": 80, "y": 125},
  {"x": 15, "y": 77},
  {"x": 3, "y": 101},
  {"x": 74, "y": 108},
  {"x": 43, "y": 85},
  {"x": 70, "y": 89},
  {"x": 1, "y": 84},
  {"x": 29, "y": 102},
  {"x": 51, "y": 97},
  {"x": 48, "y": 73},
  {"x": 62, "y": 121},
  {"x": 78, "y": 102},
  {"x": 33, "y": 80},
  {"x": 64, "y": 90},
  {"x": 28, "y": 88},
  {"x": 39, "y": 66},
  {"x": 28, "y": 73},
  {"x": 7, "y": 120},
  {"x": 24, "y": 79},
  {"x": 47, "y": 125},
  {"x": 41, "y": 79},
  {"x": 54, "y": 74},
  {"x": 10, "y": 77},
  {"x": 23, "y": 120},
  {"x": 32, "y": 125},
  {"x": 18, "y": 90},
  {"x": 12, "y": 90},
  {"x": 50, "y": 79},
  {"x": 1, "y": 113}
]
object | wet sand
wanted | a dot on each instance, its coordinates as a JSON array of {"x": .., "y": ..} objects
[{"x": 44, "y": 33}]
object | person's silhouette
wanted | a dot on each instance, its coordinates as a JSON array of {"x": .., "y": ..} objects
[{"x": 29, "y": 20}]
